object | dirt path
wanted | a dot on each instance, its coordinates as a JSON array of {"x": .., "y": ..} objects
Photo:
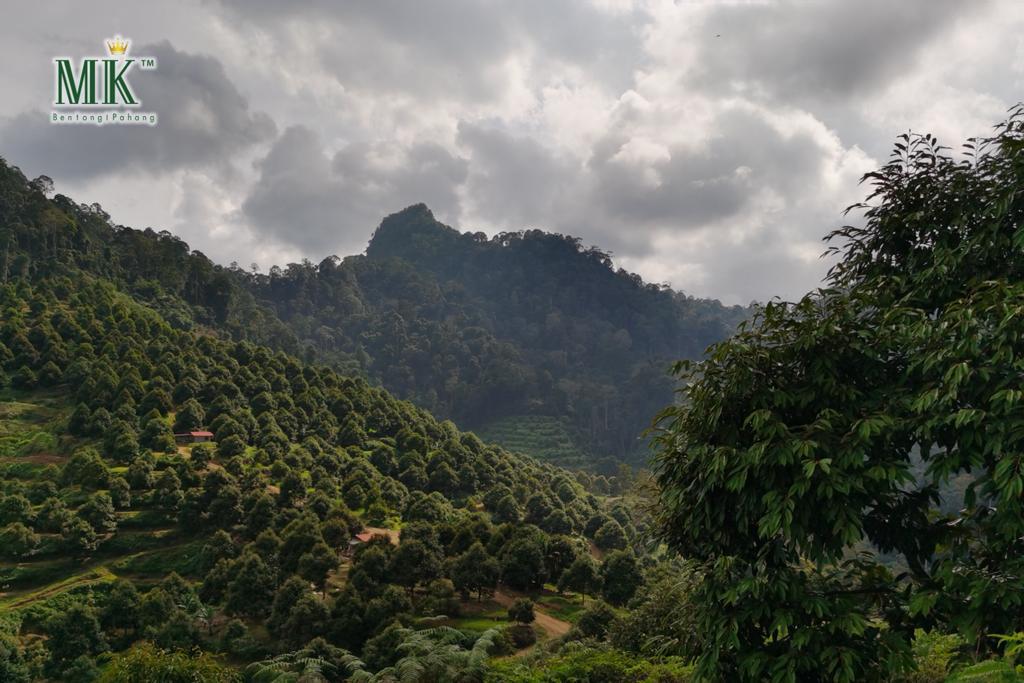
[{"x": 555, "y": 627}]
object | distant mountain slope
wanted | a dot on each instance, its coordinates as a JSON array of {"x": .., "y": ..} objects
[
  {"x": 504, "y": 329},
  {"x": 486, "y": 331}
]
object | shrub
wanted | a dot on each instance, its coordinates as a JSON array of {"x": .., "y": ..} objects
[
  {"x": 933, "y": 654},
  {"x": 521, "y": 635},
  {"x": 521, "y": 611},
  {"x": 145, "y": 662}
]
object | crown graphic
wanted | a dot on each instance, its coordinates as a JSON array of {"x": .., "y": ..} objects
[{"x": 117, "y": 46}]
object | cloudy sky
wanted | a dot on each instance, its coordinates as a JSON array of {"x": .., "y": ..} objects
[{"x": 705, "y": 144}]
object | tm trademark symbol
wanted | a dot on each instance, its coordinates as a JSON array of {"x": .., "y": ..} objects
[{"x": 148, "y": 62}]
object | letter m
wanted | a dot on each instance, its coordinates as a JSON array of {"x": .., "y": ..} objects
[{"x": 72, "y": 89}]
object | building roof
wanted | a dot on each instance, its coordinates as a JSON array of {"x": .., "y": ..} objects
[
  {"x": 198, "y": 433},
  {"x": 363, "y": 537}
]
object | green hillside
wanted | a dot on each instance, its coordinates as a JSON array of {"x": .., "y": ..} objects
[
  {"x": 115, "y": 532},
  {"x": 472, "y": 329},
  {"x": 539, "y": 436}
]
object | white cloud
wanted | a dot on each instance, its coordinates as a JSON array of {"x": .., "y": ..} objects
[{"x": 710, "y": 145}]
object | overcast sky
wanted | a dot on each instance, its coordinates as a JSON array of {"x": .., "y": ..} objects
[{"x": 708, "y": 145}]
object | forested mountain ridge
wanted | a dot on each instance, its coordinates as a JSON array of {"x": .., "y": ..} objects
[
  {"x": 524, "y": 323},
  {"x": 528, "y": 337}
]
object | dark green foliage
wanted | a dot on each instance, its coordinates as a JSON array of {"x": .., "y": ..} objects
[
  {"x": 202, "y": 454},
  {"x": 145, "y": 663},
  {"x": 157, "y": 436},
  {"x": 316, "y": 563},
  {"x": 413, "y": 563},
  {"x": 87, "y": 469},
  {"x": 13, "y": 667},
  {"x": 581, "y": 576},
  {"x": 335, "y": 533},
  {"x": 297, "y": 539},
  {"x": 15, "y": 508},
  {"x": 52, "y": 515},
  {"x": 439, "y": 599},
  {"x": 382, "y": 650},
  {"x": 285, "y": 599},
  {"x": 596, "y": 620},
  {"x": 521, "y": 635},
  {"x": 74, "y": 632},
  {"x": 155, "y": 608},
  {"x": 308, "y": 619},
  {"x": 82, "y": 668},
  {"x": 507, "y": 511},
  {"x": 662, "y": 619},
  {"x": 189, "y": 417},
  {"x": 391, "y": 603},
  {"x": 620, "y": 577},
  {"x": 610, "y": 536},
  {"x": 560, "y": 553},
  {"x": 79, "y": 537},
  {"x": 18, "y": 540},
  {"x": 837, "y": 419},
  {"x": 521, "y": 611},
  {"x": 178, "y": 632},
  {"x": 504, "y": 287},
  {"x": 251, "y": 590},
  {"x": 475, "y": 571},
  {"x": 220, "y": 547},
  {"x": 99, "y": 512},
  {"x": 168, "y": 494},
  {"x": 591, "y": 664},
  {"x": 122, "y": 607},
  {"x": 522, "y": 562},
  {"x": 120, "y": 493}
]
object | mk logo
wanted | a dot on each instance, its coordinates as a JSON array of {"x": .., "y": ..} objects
[
  {"x": 99, "y": 80},
  {"x": 81, "y": 88}
]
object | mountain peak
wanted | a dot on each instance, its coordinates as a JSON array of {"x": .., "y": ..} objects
[
  {"x": 413, "y": 213},
  {"x": 407, "y": 232}
]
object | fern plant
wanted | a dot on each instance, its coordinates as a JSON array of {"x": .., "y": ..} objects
[{"x": 1004, "y": 670}]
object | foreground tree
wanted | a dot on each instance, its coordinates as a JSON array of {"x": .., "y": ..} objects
[
  {"x": 74, "y": 632},
  {"x": 475, "y": 572},
  {"x": 620, "y": 577},
  {"x": 17, "y": 540},
  {"x": 439, "y": 654},
  {"x": 581, "y": 576},
  {"x": 837, "y": 419},
  {"x": 521, "y": 611}
]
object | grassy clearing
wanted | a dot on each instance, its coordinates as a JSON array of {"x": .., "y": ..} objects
[
  {"x": 565, "y": 607},
  {"x": 27, "y": 429},
  {"x": 94, "y": 574},
  {"x": 143, "y": 519},
  {"x": 478, "y": 617},
  {"x": 23, "y": 575},
  {"x": 182, "y": 558}
]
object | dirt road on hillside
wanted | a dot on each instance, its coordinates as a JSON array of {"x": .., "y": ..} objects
[{"x": 554, "y": 627}]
